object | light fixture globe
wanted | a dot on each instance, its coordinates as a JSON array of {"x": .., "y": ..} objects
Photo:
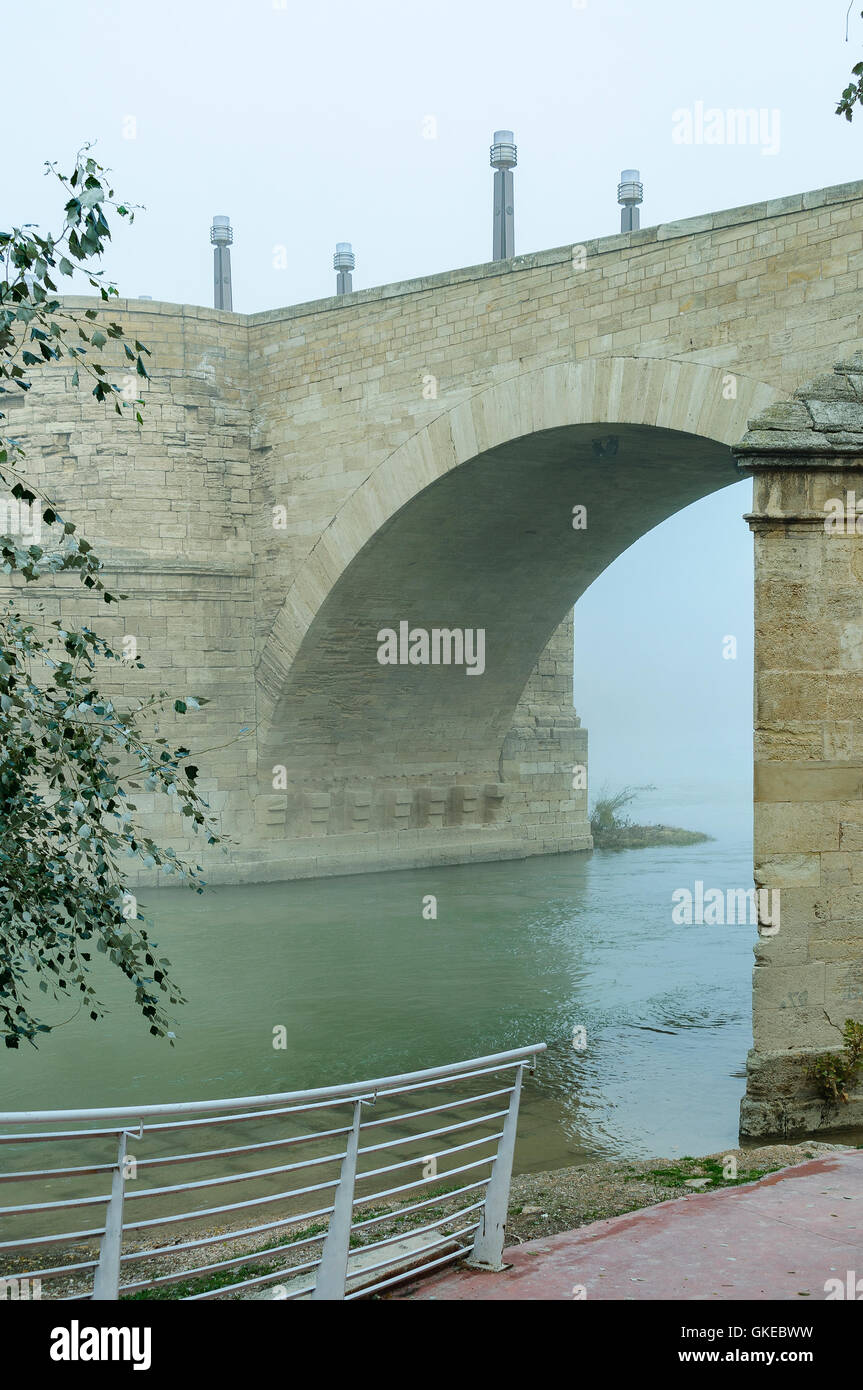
[
  {"x": 221, "y": 232},
  {"x": 503, "y": 153},
  {"x": 344, "y": 258}
]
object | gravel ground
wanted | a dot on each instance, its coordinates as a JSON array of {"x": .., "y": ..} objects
[{"x": 541, "y": 1204}]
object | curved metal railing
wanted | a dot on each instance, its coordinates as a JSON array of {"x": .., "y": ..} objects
[{"x": 468, "y": 1137}]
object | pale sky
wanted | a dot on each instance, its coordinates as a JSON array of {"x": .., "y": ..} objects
[{"x": 307, "y": 124}]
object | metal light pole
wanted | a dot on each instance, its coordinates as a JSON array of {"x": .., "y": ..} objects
[
  {"x": 630, "y": 193},
  {"x": 503, "y": 159},
  {"x": 343, "y": 262},
  {"x": 221, "y": 236}
]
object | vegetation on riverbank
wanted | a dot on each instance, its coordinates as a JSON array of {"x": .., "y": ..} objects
[{"x": 611, "y": 830}]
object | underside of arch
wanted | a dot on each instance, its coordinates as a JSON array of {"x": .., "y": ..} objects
[{"x": 708, "y": 403}]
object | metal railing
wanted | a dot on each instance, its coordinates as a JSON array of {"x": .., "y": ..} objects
[{"x": 467, "y": 1099}]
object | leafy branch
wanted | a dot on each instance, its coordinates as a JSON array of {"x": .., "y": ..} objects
[
  {"x": 853, "y": 93},
  {"x": 72, "y": 758}
]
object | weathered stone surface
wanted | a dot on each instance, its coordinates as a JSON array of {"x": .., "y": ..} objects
[
  {"x": 808, "y": 690},
  {"x": 845, "y": 416},
  {"x": 824, "y": 416},
  {"x": 783, "y": 415}
]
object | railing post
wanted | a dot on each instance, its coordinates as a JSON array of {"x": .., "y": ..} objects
[
  {"x": 106, "y": 1281},
  {"x": 487, "y": 1252},
  {"x": 333, "y": 1269}
]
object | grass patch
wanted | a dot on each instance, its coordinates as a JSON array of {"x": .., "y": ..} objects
[
  {"x": 678, "y": 1174},
  {"x": 220, "y": 1278}
]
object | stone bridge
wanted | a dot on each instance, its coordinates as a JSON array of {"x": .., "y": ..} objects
[{"x": 464, "y": 454}]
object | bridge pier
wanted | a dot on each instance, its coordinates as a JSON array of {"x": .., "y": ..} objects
[{"x": 806, "y": 456}]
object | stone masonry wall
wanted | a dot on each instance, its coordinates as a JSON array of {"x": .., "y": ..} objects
[{"x": 297, "y": 408}]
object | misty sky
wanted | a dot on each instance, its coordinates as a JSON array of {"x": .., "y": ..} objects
[{"x": 308, "y": 125}]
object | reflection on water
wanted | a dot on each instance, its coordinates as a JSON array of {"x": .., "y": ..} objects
[{"x": 520, "y": 952}]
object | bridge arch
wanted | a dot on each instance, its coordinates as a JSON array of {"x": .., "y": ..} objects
[
  {"x": 469, "y": 524},
  {"x": 709, "y": 402}
]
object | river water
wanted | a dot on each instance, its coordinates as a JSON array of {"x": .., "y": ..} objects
[{"x": 520, "y": 952}]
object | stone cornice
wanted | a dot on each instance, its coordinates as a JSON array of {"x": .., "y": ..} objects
[{"x": 821, "y": 426}]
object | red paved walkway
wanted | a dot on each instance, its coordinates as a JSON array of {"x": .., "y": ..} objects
[{"x": 780, "y": 1238}]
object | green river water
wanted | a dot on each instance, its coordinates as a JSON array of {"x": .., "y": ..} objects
[{"x": 521, "y": 952}]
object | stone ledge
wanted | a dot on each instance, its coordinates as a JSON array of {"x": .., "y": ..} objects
[{"x": 434, "y": 851}]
